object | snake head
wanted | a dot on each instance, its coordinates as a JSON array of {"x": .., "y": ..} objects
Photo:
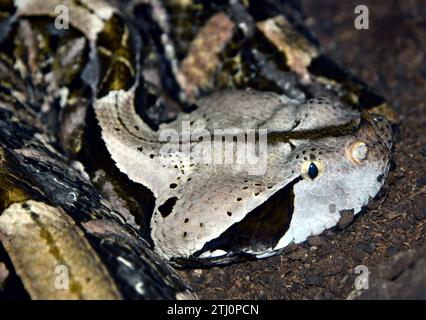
[{"x": 322, "y": 158}]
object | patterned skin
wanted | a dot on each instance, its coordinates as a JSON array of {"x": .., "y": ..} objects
[{"x": 324, "y": 154}]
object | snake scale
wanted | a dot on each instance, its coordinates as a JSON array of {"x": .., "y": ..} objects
[{"x": 136, "y": 91}]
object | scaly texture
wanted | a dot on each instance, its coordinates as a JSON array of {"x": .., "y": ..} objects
[{"x": 325, "y": 149}]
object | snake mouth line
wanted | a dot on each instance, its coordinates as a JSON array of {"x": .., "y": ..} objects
[{"x": 259, "y": 231}]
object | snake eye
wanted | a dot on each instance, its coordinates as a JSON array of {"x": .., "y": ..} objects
[{"x": 312, "y": 170}]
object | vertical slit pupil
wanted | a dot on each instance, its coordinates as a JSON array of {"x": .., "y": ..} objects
[{"x": 313, "y": 170}]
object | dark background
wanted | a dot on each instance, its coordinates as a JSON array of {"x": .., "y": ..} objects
[{"x": 389, "y": 238}]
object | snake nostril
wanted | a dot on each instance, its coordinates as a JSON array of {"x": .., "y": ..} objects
[{"x": 357, "y": 152}]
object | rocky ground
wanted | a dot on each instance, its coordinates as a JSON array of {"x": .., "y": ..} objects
[{"x": 389, "y": 238}]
